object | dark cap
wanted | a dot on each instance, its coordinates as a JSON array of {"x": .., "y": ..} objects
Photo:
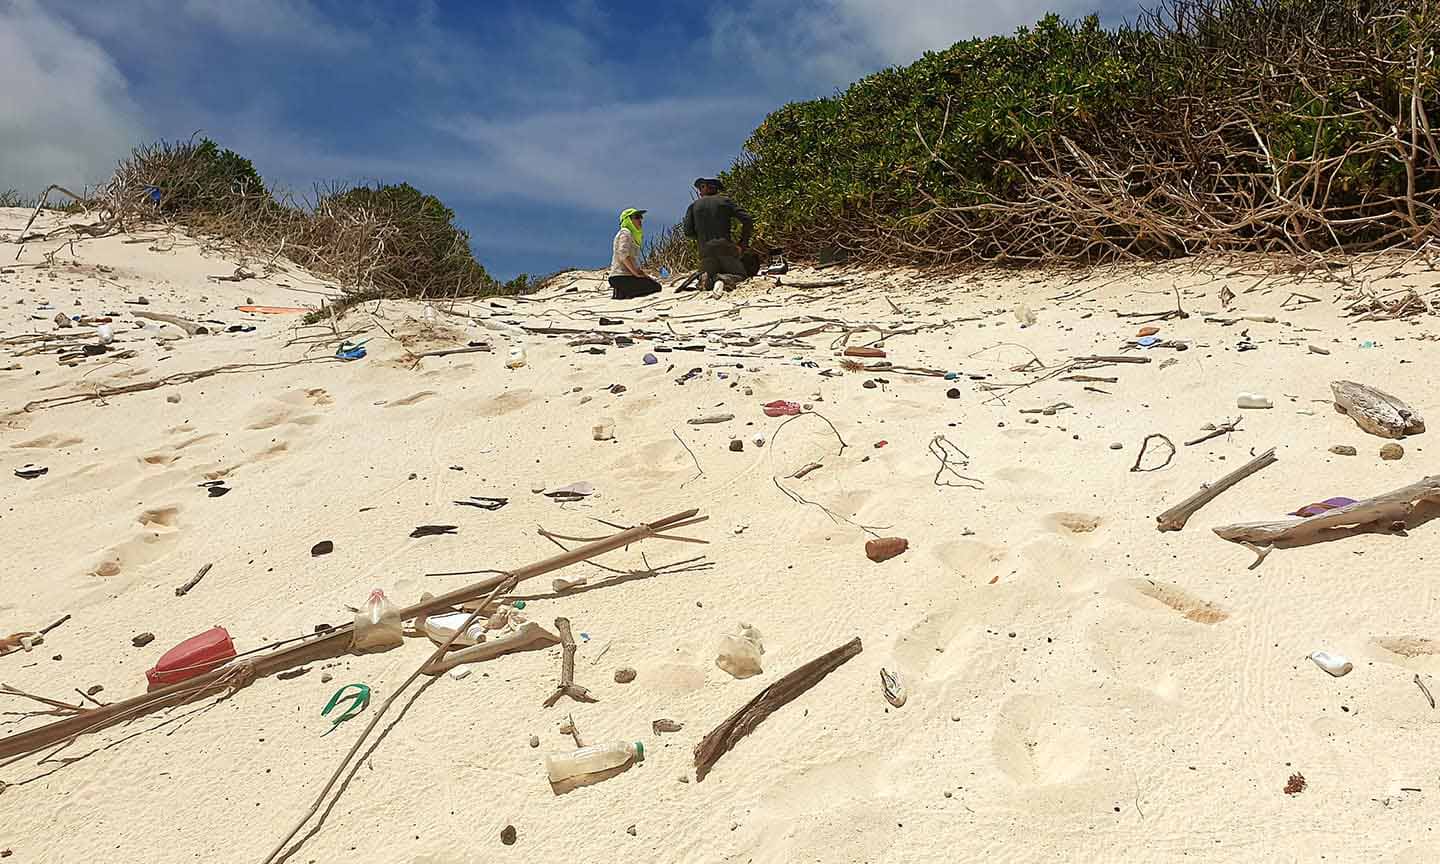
[{"x": 712, "y": 181}]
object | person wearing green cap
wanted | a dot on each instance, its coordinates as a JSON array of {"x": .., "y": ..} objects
[{"x": 627, "y": 279}]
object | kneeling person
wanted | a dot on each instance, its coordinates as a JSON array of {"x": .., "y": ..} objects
[{"x": 627, "y": 280}]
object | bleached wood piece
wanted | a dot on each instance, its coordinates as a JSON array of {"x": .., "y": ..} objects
[
  {"x": 1376, "y": 411},
  {"x": 1382, "y": 509},
  {"x": 190, "y": 327},
  {"x": 528, "y": 637},
  {"x": 1175, "y": 518}
]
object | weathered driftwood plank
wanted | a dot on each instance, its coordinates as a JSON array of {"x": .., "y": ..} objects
[
  {"x": 1376, "y": 411},
  {"x": 1381, "y": 510}
]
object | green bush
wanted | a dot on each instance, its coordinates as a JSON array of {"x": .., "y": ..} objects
[{"x": 1233, "y": 124}]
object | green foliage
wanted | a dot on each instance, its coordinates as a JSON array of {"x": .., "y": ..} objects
[
  {"x": 387, "y": 240},
  {"x": 966, "y": 138}
]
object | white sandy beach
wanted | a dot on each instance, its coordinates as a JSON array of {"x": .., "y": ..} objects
[{"x": 1081, "y": 686}]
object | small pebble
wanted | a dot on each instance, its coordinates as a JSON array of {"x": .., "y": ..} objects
[
  {"x": 507, "y": 835},
  {"x": 173, "y": 398},
  {"x": 1343, "y": 450},
  {"x": 57, "y": 657},
  {"x": 142, "y": 640},
  {"x": 1316, "y": 349},
  {"x": 584, "y": 399},
  {"x": 326, "y": 677},
  {"x": 1031, "y": 420},
  {"x": 624, "y": 675},
  {"x": 949, "y": 794},
  {"x": 683, "y": 778},
  {"x": 93, "y": 689},
  {"x": 630, "y": 830},
  {"x": 534, "y": 741},
  {"x": 1391, "y": 452},
  {"x": 736, "y": 445},
  {"x": 952, "y": 393},
  {"x": 1117, "y": 446}
]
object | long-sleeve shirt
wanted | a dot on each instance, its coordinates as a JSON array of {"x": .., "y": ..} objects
[
  {"x": 624, "y": 248},
  {"x": 709, "y": 219}
]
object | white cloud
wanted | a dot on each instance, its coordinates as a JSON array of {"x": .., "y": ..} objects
[
  {"x": 69, "y": 113},
  {"x": 830, "y": 43},
  {"x": 604, "y": 158}
]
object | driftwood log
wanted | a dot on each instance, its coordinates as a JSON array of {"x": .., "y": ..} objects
[
  {"x": 1384, "y": 510},
  {"x": 333, "y": 643},
  {"x": 191, "y": 328},
  {"x": 1175, "y": 518},
  {"x": 567, "y": 687},
  {"x": 1376, "y": 411},
  {"x": 720, "y": 739}
]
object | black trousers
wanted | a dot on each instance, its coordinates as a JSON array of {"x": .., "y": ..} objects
[{"x": 630, "y": 287}]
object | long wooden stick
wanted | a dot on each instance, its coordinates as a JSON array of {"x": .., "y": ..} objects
[
  {"x": 332, "y": 644},
  {"x": 720, "y": 739},
  {"x": 1175, "y": 518},
  {"x": 1391, "y": 507}
]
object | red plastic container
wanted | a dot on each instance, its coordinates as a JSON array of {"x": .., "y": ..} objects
[{"x": 195, "y": 656}]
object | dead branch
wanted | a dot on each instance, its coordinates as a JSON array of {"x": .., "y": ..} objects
[
  {"x": 193, "y": 581},
  {"x": 722, "y": 738},
  {"x": 1223, "y": 429},
  {"x": 1139, "y": 457},
  {"x": 567, "y": 687},
  {"x": 1175, "y": 518}
]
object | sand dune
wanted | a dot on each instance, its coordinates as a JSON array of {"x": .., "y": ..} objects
[{"x": 1081, "y": 686}]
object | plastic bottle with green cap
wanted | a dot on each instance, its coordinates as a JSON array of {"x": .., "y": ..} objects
[{"x": 593, "y": 760}]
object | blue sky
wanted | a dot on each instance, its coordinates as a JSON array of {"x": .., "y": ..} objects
[{"x": 537, "y": 122}]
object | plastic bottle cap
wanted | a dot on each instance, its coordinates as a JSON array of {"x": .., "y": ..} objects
[{"x": 639, "y": 751}]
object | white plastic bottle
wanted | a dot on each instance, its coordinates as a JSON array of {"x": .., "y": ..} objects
[
  {"x": 517, "y": 356},
  {"x": 1253, "y": 400},
  {"x": 592, "y": 760}
]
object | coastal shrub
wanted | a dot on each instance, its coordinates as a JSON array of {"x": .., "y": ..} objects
[
  {"x": 379, "y": 240},
  {"x": 1243, "y": 125}
]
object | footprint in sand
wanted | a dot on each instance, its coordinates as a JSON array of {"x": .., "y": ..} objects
[
  {"x": 1190, "y": 607},
  {"x": 1074, "y": 523},
  {"x": 411, "y": 399},
  {"x": 53, "y": 441},
  {"x": 1409, "y": 647},
  {"x": 505, "y": 403},
  {"x": 318, "y": 397},
  {"x": 159, "y": 518},
  {"x": 160, "y": 530},
  {"x": 1035, "y": 743}
]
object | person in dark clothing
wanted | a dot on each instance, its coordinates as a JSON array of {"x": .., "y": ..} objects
[
  {"x": 627, "y": 280},
  {"x": 708, "y": 223}
]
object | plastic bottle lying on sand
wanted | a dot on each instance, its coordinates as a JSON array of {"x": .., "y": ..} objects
[
  {"x": 592, "y": 760},
  {"x": 517, "y": 357},
  {"x": 1253, "y": 400},
  {"x": 378, "y": 626}
]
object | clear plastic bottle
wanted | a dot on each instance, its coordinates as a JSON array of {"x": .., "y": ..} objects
[
  {"x": 378, "y": 627},
  {"x": 517, "y": 357},
  {"x": 592, "y": 760}
]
